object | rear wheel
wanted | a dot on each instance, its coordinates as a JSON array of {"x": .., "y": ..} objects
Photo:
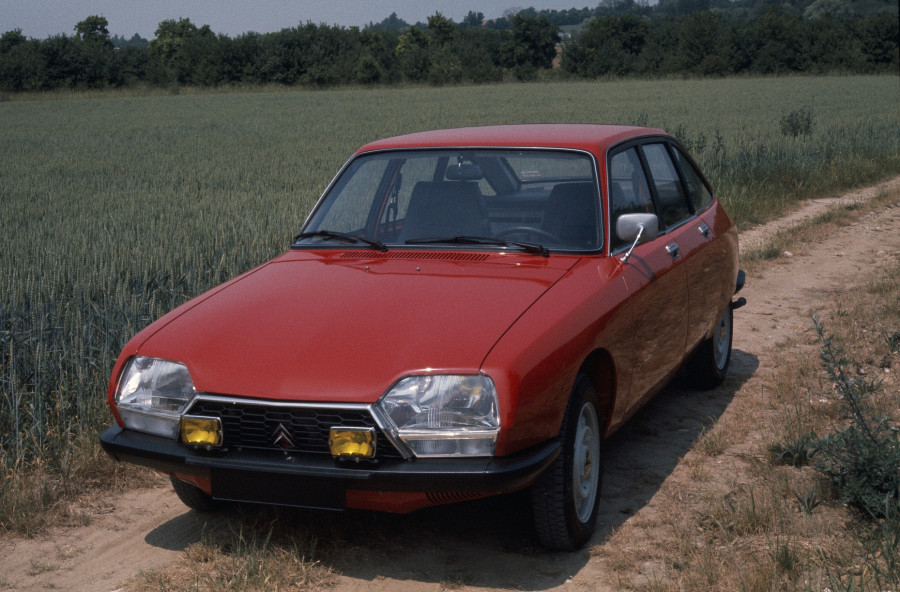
[
  {"x": 566, "y": 496},
  {"x": 194, "y": 497},
  {"x": 708, "y": 365}
]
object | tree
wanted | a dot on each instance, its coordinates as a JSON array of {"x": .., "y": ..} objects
[
  {"x": 412, "y": 54},
  {"x": 391, "y": 23},
  {"x": 179, "y": 50},
  {"x": 94, "y": 48},
  {"x": 21, "y": 66},
  {"x": 11, "y": 39},
  {"x": 607, "y": 45},
  {"x": 94, "y": 29},
  {"x": 780, "y": 43},
  {"x": 472, "y": 20},
  {"x": 441, "y": 29},
  {"x": 532, "y": 46},
  {"x": 879, "y": 40},
  {"x": 60, "y": 67},
  {"x": 480, "y": 55},
  {"x": 703, "y": 45}
]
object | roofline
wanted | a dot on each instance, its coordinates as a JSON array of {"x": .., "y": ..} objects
[{"x": 591, "y": 137}]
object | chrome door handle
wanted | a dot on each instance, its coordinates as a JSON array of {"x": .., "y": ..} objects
[
  {"x": 672, "y": 249},
  {"x": 704, "y": 230}
]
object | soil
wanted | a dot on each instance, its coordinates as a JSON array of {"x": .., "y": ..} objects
[{"x": 487, "y": 544}]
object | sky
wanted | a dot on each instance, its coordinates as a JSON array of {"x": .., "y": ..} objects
[{"x": 40, "y": 19}]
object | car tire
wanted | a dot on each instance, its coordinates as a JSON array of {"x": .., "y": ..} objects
[
  {"x": 194, "y": 497},
  {"x": 566, "y": 496},
  {"x": 708, "y": 365}
]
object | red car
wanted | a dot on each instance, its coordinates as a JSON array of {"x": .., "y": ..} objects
[{"x": 465, "y": 313}]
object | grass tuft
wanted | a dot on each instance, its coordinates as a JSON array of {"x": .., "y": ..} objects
[{"x": 239, "y": 558}]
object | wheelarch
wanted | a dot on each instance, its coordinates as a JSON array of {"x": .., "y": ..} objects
[{"x": 599, "y": 368}]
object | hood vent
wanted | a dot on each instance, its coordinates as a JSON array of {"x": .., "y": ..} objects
[{"x": 416, "y": 255}]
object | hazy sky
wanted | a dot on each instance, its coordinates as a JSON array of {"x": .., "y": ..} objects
[{"x": 42, "y": 18}]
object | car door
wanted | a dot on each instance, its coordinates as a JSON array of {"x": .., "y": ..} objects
[
  {"x": 704, "y": 252},
  {"x": 689, "y": 238},
  {"x": 655, "y": 277}
]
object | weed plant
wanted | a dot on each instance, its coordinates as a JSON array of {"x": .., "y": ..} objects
[
  {"x": 796, "y": 452},
  {"x": 862, "y": 460},
  {"x": 798, "y": 122}
]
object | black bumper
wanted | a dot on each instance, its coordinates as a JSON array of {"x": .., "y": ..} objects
[{"x": 319, "y": 481}]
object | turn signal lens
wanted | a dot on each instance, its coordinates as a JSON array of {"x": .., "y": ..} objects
[
  {"x": 352, "y": 442},
  {"x": 201, "y": 431}
]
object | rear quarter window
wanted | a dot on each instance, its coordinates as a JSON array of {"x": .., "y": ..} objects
[{"x": 698, "y": 192}]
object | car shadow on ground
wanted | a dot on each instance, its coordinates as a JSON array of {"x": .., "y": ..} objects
[{"x": 490, "y": 542}]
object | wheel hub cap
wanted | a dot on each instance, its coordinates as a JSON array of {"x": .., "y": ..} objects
[{"x": 585, "y": 474}]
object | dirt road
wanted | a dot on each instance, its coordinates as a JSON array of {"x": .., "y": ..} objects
[{"x": 487, "y": 545}]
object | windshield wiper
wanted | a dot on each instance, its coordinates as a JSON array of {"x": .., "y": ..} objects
[
  {"x": 481, "y": 240},
  {"x": 341, "y": 236}
]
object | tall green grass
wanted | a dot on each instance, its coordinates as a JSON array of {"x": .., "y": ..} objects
[{"x": 114, "y": 208}]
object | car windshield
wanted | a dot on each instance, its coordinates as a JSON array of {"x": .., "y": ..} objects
[{"x": 531, "y": 200}]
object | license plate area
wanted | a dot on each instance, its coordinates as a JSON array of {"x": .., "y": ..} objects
[{"x": 278, "y": 489}]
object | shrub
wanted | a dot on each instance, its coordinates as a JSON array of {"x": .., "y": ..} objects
[
  {"x": 861, "y": 460},
  {"x": 798, "y": 122}
]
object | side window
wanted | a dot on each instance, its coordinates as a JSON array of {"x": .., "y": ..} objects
[
  {"x": 673, "y": 205},
  {"x": 698, "y": 192},
  {"x": 628, "y": 191}
]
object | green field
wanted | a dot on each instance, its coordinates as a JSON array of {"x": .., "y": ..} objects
[{"x": 116, "y": 207}]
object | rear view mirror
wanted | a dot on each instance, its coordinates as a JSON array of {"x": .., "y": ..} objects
[
  {"x": 464, "y": 172},
  {"x": 636, "y": 229},
  {"x": 628, "y": 227}
]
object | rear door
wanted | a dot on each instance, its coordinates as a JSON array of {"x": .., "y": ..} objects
[
  {"x": 689, "y": 238},
  {"x": 704, "y": 263}
]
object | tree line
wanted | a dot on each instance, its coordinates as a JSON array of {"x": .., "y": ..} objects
[{"x": 617, "y": 38}]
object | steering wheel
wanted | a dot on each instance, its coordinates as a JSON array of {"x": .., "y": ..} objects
[{"x": 527, "y": 230}]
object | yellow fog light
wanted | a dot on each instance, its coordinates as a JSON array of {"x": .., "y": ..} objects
[
  {"x": 201, "y": 431},
  {"x": 352, "y": 442}
]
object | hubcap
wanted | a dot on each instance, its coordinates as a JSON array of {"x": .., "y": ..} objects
[
  {"x": 585, "y": 462},
  {"x": 722, "y": 339}
]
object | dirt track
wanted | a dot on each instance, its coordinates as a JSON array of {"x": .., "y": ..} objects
[{"x": 485, "y": 544}]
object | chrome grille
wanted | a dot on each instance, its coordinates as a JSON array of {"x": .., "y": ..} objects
[{"x": 301, "y": 429}]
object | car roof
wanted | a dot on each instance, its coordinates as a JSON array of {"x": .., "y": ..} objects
[{"x": 591, "y": 137}]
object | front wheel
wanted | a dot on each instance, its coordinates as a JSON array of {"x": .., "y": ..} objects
[
  {"x": 193, "y": 497},
  {"x": 708, "y": 365},
  {"x": 566, "y": 496}
]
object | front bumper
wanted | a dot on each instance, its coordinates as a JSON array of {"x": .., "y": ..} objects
[{"x": 319, "y": 481}]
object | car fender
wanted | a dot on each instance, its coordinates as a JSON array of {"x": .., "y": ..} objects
[{"x": 535, "y": 363}]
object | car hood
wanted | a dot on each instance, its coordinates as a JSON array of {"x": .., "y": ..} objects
[{"x": 344, "y": 326}]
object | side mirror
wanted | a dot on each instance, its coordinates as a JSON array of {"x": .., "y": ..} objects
[{"x": 636, "y": 229}]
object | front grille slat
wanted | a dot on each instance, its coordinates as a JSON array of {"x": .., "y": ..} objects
[{"x": 301, "y": 429}]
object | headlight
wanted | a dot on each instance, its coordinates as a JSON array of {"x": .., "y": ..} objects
[
  {"x": 444, "y": 415},
  {"x": 152, "y": 394}
]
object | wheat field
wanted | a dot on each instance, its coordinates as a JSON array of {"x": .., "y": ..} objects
[{"x": 116, "y": 207}]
